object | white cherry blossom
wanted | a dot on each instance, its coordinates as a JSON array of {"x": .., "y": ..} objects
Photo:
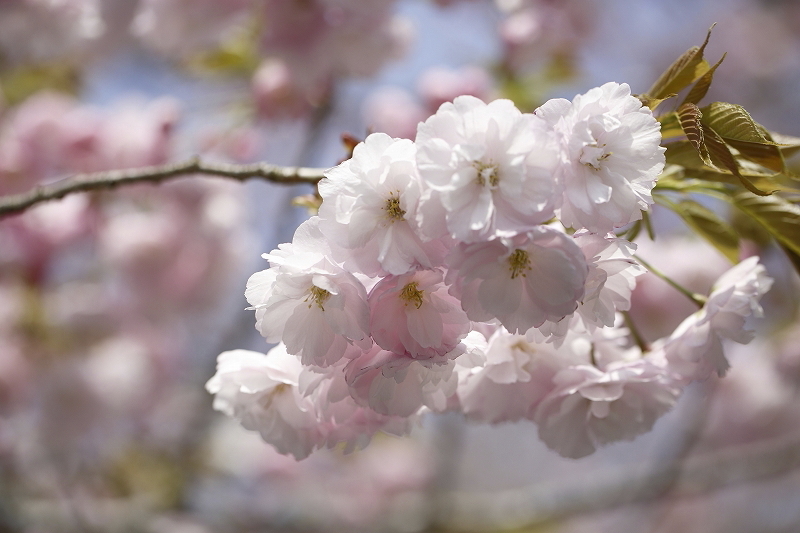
[
  {"x": 694, "y": 350},
  {"x": 610, "y": 156},
  {"x": 490, "y": 169},
  {"x": 369, "y": 209},
  {"x": 310, "y": 303},
  {"x": 511, "y": 380},
  {"x": 261, "y": 392}
]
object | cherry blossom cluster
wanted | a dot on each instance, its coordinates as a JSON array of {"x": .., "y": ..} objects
[{"x": 476, "y": 269}]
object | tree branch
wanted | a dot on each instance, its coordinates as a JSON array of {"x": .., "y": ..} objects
[{"x": 114, "y": 178}]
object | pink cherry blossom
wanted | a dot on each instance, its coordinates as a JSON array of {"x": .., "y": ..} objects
[
  {"x": 343, "y": 418},
  {"x": 316, "y": 313},
  {"x": 413, "y": 314},
  {"x": 394, "y": 111},
  {"x": 325, "y": 39},
  {"x": 38, "y": 31},
  {"x": 439, "y": 85},
  {"x": 609, "y": 284},
  {"x": 277, "y": 94},
  {"x": 393, "y": 384},
  {"x": 590, "y": 407},
  {"x": 182, "y": 27},
  {"x": 522, "y": 281}
]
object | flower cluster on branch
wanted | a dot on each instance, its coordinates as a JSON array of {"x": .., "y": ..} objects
[{"x": 476, "y": 269}]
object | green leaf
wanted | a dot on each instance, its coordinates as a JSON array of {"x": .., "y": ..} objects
[
  {"x": 760, "y": 180},
  {"x": 652, "y": 103},
  {"x": 732, "y": 121},
  {"x": 683, "y": 153},
  {"x": 670, "y": 125},
  {"x": 708, "y": 225},
  {"x": 723, "y": 158},
  {"x": 632, "y": 232},
  {"x": 685, "y": 70},
  {"x": 738, "y": 129},
  {"x": 787, "y": 144},
  {"x": 689, "y": 116},
  {"x": 766, "y": 155},
  {"x": 777, "y": 215},
  {"x": 701, "y": 87},
  {"x": 648, "y": 225}
]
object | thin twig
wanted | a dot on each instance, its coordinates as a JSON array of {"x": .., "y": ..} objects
[
  {"x": 635, "y": 333},
  {"x": 698, "y": 299},
  {"x": 114, "y": 178}
]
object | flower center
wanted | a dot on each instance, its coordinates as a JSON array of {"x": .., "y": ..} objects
[
  {"x": 411, "y": 293},
  {"x": 393, "y": 209},
  {"x": 487, "y": 173},
  {"x": 318, "y": 296},
  {"x": 592, "y": 155},
  {"x": 278, "y": 390},
  {"x": 519, "y": 263}
]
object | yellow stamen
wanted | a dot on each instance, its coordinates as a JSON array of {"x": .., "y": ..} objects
[
  {"x": 393, "y": 209},
  {"x": 486, "y": 172},
  {"x": 519, "y": 263},
  {"x": 318, "y": 296},
  {"x": 411, "y": 293}
]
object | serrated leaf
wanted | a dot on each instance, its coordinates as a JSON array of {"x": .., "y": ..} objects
[
  {"x": 779, "y": 216},
  {"x": 710, "y": 226},
  {"x": 653, "y": 103},
  {"x": 760, "y": 180},
  {"x": 766, "y": 155},
  {"x": 686, "y": 69},
  {"x": 732, "y": 121},
  {"x": 722, "y": 157},
  {"x": 684, "y": 154},
  {"x": 787, "y": 144},
  {"x": 689, "y": 116},
  {"x": 691, "y": 184},
  {"x": 701, "y": 87},
  {"x": 670, "y": 125}
]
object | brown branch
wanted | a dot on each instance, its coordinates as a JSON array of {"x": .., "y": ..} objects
[{"x": 114, "y": 178}]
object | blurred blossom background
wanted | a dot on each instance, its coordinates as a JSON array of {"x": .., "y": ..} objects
[{"x": 114, "y": 305}]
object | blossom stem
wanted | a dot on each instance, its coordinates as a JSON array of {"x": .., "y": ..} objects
[
  {"x": 635, "y": 333},
  {"x": 114, "y": 178},
  {"x": 698, "y": 299}
]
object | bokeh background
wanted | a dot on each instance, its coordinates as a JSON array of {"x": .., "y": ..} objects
[{"x": 114, "y": 305}]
